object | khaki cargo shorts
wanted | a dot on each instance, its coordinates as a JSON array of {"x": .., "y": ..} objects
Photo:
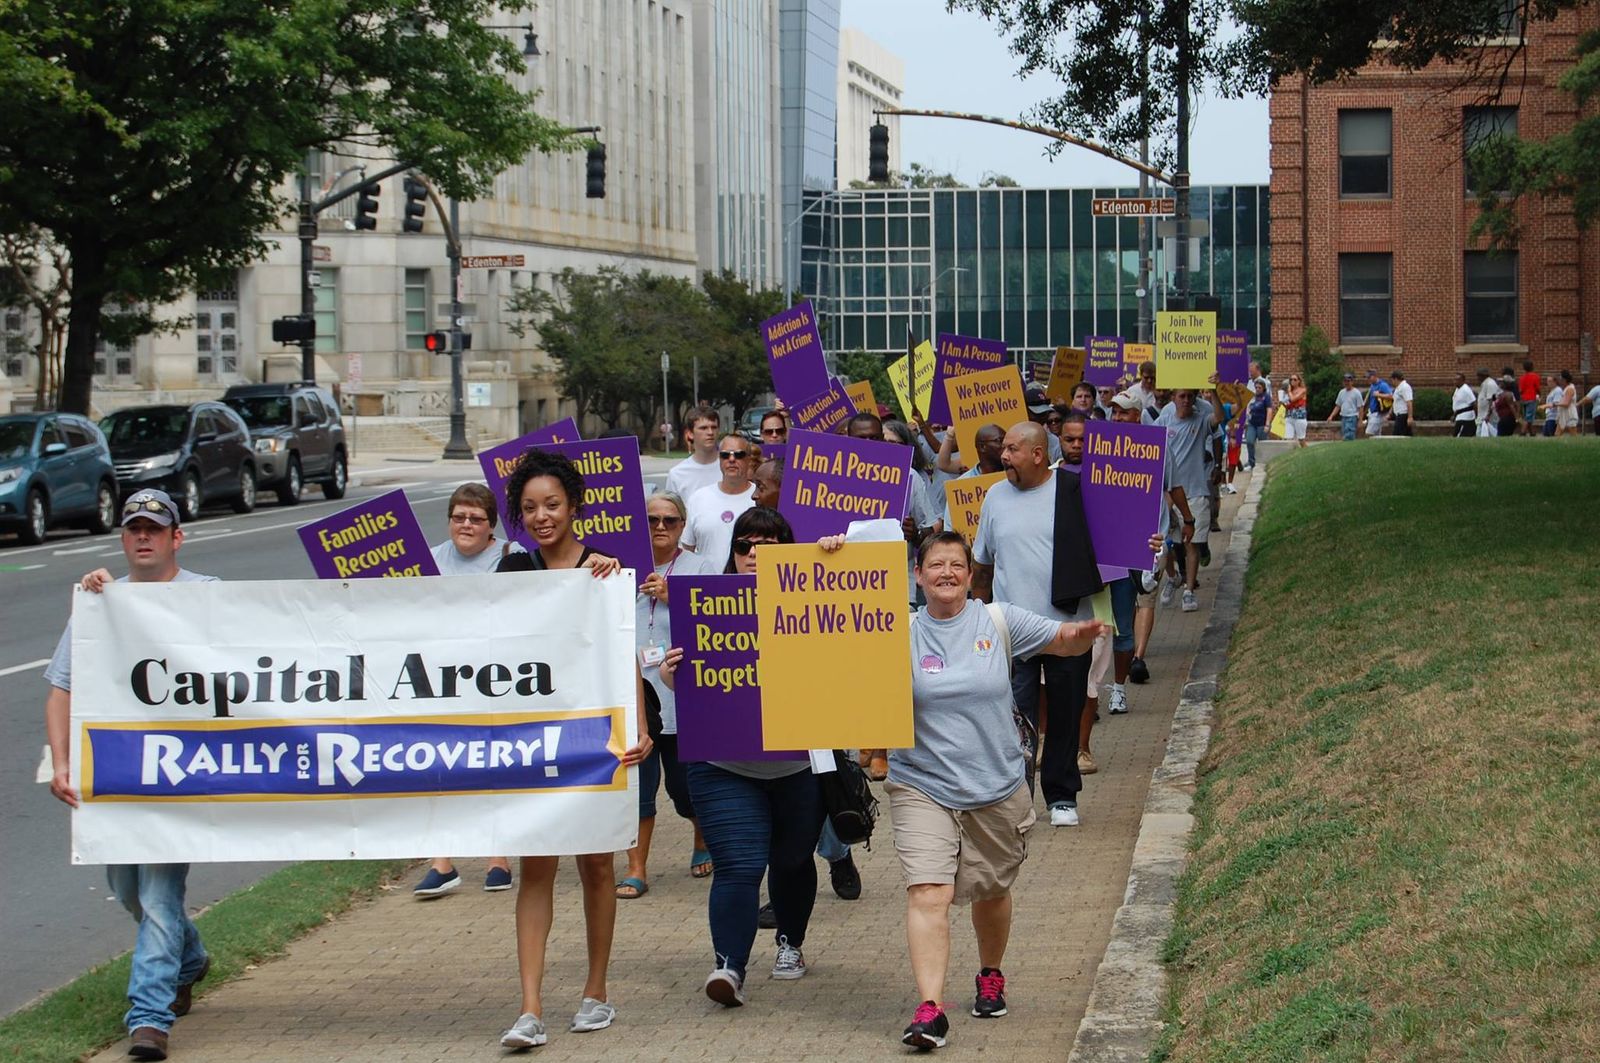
[{"x": 979, "y": 851}]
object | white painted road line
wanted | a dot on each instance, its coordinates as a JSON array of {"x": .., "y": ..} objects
[
  {"x": 14, "y": 669},
  {"x": 98, "y": 545}
]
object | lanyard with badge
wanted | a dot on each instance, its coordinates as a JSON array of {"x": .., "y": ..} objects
[{"x": 654, "y": 650}]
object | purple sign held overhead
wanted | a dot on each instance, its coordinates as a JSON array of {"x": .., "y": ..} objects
[
  {"x": 794, "y": 351},
  {"x": 826, "y": 411},
  {"x": 1102, "y": 364},
  {"x": 959, "y": 356},
  {"x": 379, "y": 537},
  {"x": 1121, "y": 478},
  {"x": 1233, "y": 356},
  {"x": 563, "y": 431},
  {"x": 833, "y": 480},
  {"x": 718, "y": 693},
  {"x": 498, "y": 461}
]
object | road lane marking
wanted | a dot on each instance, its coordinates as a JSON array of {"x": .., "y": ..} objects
[
  {"x": 14, "y": 669},
  {"x": 79, "y": 550}
]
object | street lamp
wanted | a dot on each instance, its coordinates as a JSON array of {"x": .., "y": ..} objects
[
  {"x": 928, "y": 294},
  {"x": 530, "y": 39}
]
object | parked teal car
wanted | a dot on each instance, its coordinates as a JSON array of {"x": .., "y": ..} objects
[{"x": 55, "y": 468}]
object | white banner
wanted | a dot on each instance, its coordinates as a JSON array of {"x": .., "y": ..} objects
[{"x": 354, "y": 719}]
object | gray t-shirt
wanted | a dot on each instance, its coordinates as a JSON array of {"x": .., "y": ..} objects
[
  {"x": 59, "y": 672},
  {"x": 1349, "y": 400},
  {"x": 967, "y": 754},
  {"x": 1187, "y": 442},
  {"x": 452, "y": 562},
  {"x": 1017, "y": 535}
]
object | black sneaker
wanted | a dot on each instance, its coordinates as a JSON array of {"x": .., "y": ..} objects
[
  {"x": 846, "y": 879},
  {"x": 1138, "y": 671},
  {"x": 928, "y": 1028},
  {"x": 765, "y": 919},
  {"x": 991, "y": 1001}
]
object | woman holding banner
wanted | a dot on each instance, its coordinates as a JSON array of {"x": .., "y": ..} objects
[
  {"x": 959, "y": 801},
  {"x": 759, "y": 817},
  {"x": 543, "y": 494}
]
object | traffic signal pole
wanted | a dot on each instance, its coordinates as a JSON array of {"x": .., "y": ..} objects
[{"x": 457, "y": 449}]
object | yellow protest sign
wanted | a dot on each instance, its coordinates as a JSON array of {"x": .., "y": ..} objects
[
  {"x": 964, "y": 498},
  {"x": 1136, "y": 354},
  {"x": 1065, "y": 372},
  {"x": 906, "y": 369},
  {"x": 1186, "y": 348},
  {"x": 993, "y": 396},
  {"x": 835, "y": 647},
  {"x": 861, "y": 395}
]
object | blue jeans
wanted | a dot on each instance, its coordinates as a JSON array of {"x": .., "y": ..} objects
[
  {"x": 1252, "y": 432},
  {"x": 1347, "y": 426},
  {"x": 755, "y": 827},
  {"x": 829, "y": 847},
  {"x": 1122, "y": 600},
  {"x": 167, "y": 952}
]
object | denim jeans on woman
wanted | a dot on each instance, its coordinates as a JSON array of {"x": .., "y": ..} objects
[
  {"x": 756, "y": 827},
  {"x": 1252, "y": 433},
  {"x": 167, "y": 952}
]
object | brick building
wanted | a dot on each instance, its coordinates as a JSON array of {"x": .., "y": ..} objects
[{"x": 1372, "y": 206}]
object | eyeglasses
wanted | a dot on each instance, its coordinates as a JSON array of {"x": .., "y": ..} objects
[
  {"x": 658, "y": 521},
  {"x": 772, "y": 433},
  {"x": 462, "y": 518},
  {"x": 149, "y": 505},
  {"x": 729, "y": 455},
  {"x": 743, "y": 546}
]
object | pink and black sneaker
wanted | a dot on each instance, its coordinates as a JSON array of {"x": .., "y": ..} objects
[
  {"x": 991, "y": 1001},
  {"x": 928, "y": 1028}
]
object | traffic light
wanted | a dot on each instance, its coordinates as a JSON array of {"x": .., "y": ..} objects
[
  {"x": 367, "y": 206},
  {"x": 416, "y": 205},
  {"x": 597, "y": 172},
  {"x": 294, "y": 329},
  {"x": 878, "y": 154},
  {"x": 437, "y": 342}
]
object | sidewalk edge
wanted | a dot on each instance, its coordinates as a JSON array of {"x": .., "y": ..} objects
[{"x": 1122, "y": 1021}]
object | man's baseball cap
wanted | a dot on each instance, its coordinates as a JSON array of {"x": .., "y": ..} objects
[
  {"x": 1037, "y": 402},
  {"x": 1349, "y": 376},
  {"x": 1128, "y": 400},
  {"x": 151, "y": 505}
]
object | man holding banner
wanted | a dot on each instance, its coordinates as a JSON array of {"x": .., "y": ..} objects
[{"x": 168, "y": 957}]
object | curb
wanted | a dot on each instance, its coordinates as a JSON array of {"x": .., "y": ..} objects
[{"x": 1122, "y": 1021}]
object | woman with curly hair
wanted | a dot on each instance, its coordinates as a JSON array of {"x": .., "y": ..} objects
[{"x": 543, "y": 494}]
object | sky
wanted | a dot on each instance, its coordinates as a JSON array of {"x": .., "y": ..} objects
[{"x": 959, "y": 62}]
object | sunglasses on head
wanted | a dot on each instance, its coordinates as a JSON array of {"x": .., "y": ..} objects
[
  {"x": 149, "y": 505},
  {"x": 729, "y": 455},
  {"x": 658, "y": 521},
  {"x": 742, "y": 547}
]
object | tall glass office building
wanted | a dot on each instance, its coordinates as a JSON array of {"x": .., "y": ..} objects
[
  {"x": 808, "y": 42},
  {"x": 1032, "y": 267}
]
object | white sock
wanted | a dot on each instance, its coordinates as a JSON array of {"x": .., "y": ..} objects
[{"x": 1116, "y": 688}]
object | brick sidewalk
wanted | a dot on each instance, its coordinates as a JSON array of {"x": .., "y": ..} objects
[{"x": 403, "y": 980}]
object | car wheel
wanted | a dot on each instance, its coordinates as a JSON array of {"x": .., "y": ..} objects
[
  {"x": 189, "y": 498},
  {"x": 245, "y": 500},
  {"x": 339, "y": 481},
  {"x": 293, "y": 484},
  {"x": 105, "y": 510},
  {"x": 37, "y": 512}
]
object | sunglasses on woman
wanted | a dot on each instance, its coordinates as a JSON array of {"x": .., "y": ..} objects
[
  {"x": 742, "y": 547},
  {"x": 658, "y": 521}
]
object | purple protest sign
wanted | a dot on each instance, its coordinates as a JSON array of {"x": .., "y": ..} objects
[
  {"x": 1102, "y": 365},
  {"x": 1122, "y": 475},
  {"x": 563, "y": 431},
  {"x": 379, "y": 537},
  {"x": 718, "y": 694},
  {"x": 1233, "y": 356},
  {"x": 833, "y": 480},
  {"x": 960, "y": 356},
  {"x": 498, "y": 461},
  {"x": 794, "y": 351},
  {"x": 826, "y": 411}
]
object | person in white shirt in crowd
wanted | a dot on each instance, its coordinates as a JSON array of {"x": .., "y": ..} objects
[
  {"x": 700, "y": 468},
  {"x": 1591, "y": 400},
  {"x": 1347, "y": 407},
  {"x": 1552, "y": 406},
  {"x": 1402, "y": 404},
  {"x": 1567, "y": 406},
  {"x": 1146, "y": 389},
  {"x": 713, "y": 509},
  {"x": 1488, "y": 388},
  {"x": 1463, "y": 409}
]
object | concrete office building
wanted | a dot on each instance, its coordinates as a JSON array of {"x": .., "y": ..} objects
[{"x": 870, "y": 79}]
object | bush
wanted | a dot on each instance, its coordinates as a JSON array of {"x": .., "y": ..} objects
[
  {"x": 1323, "y": 370},
  {"x": 1432, "y": 404}
]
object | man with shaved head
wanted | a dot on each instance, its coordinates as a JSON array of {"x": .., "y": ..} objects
[{"x": 1015, "y": 552}]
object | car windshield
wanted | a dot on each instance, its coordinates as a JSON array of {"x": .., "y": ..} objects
[
  {"x": 16, "y": 437},
  {"x": 138, "y": 428},
  {"x": 263, "y": 411}
]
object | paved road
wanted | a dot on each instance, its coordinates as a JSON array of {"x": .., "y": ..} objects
[{"x": 57, "y": 920}]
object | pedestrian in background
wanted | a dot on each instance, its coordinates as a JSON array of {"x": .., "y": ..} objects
[
  {"x": 1402, "y": 404},
  {"x": 1464, "y": 409},
  {"x": 1347, "y": 407},
  {"x": 1380, "y": 396},
  {"x": 1295, "y": 405},
  {"x": 1528, "y": 390},
  {"x": 1552, "y": 406},
  {"x": 1488, "y": 391},
  {"x": 1256, "y": 415}
]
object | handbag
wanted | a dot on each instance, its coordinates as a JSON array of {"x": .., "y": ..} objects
[
  {"x": 1027, "y": 734},
  {"x": 847, "y": 797}
]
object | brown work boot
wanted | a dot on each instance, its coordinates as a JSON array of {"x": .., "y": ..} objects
[
  {"x": 148, "y": 1043},
  {"x": 185, "y": 998}
]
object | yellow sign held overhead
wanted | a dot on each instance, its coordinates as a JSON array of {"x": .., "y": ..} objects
[{"x": 1186, "y": 348}]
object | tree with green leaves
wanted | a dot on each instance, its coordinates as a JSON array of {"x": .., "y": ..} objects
[
  {"x": 916, "y": 175},
  {"x": 734, "y": 368},
  {"x": 151, "y": 138},
  {"x": 858, "y": 365}
]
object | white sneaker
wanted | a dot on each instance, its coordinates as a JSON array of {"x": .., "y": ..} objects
[
  {"x": 725, "y": 987},
  {"x": 526, "y": 1032},
  {"x": 1149, "y": 580},
  {"x": 791, "y": 963},
  {"x": 1119, "y": 702},
  {"x": 593, "y": 1015},
  {"x": 1168, "y": 589},
  {"x": 1229, "y": 489},
  {"x": 1063, "y": 816},
  {"x": 1190, "y": 602}
]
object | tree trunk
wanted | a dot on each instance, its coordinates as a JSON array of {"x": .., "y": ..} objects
[{"x": 83, "y": 324}]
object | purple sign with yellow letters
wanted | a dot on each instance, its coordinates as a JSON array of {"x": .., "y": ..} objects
[
  {"x": 718, "y": 693},
  {"x": 1102, "y": 364},
  {"x": 794, "y": 352},
  {"x": 498, "y": 461},
  {"x": 1233, "y": 356},
  {"x": 563, "y": 431},
  {"x": 1121, "y": 478},
  {"x": 379, "y": 537},
  {"x": 826, "y": 411},
  {"x": 833, "y": 480},
  {"x": 960, "y": 356}
]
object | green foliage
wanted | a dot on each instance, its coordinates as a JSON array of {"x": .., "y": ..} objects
[
  {"x": 857, "y": 365},
  {"x": 150, "y": 139},
  {"x": 1323, "y": 370},
  {"x": 1262, "y": 356},
  {"x": 738, "y": 372},
  {"x": 1432, "y": 404},
  {"x": 915, "y": 176}
]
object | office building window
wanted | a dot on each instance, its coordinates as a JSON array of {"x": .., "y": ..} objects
[
  {"x": 1366, "y": 299},
  {"x": 1480, "y": 125},
  {"x": 1365, "y": 147},
  {"x": 326, "y": 292},
  {"x": 216, "y": 332},
  {"x": 1491, "y": 297},
  {"x": 416, "y": 309}
]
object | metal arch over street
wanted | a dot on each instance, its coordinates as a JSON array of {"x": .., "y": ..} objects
[{"x": 1044, "y": 131}]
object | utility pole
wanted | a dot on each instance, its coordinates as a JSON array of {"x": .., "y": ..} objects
[
  {"x": 457, "y": 449},
  {"x": 666, "y": 405},
  {"x": 308, "y": 298},
  {"x": 1180, "y": 177},
  {"x": 1146, "y": 302}
]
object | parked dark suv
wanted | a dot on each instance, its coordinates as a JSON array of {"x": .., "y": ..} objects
[
  {"x": 194, "y": 453},
  {"x": 54, "y": 468},
  {"x": 297, "y": 435}
]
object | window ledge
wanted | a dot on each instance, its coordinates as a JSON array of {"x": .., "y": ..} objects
[
  {"x": 1492, "y": 348},
  {"x": 1369, "y": 348}
]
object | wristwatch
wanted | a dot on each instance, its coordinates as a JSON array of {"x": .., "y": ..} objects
[{"x": 1189, "y": 520}]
